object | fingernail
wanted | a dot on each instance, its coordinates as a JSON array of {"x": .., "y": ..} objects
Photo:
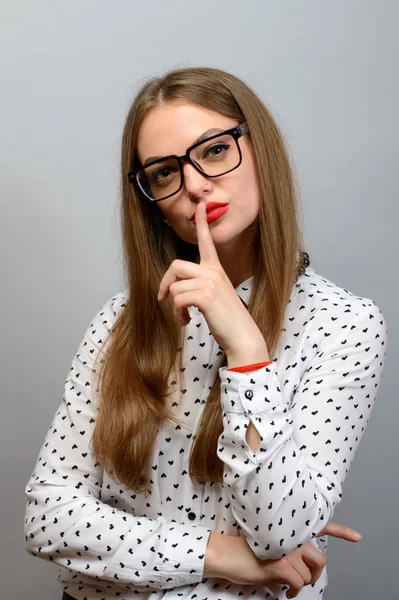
[{"x": 357, "y": 536}]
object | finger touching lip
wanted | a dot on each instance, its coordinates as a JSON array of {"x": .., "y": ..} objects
[{"x": 214, "y": 214}]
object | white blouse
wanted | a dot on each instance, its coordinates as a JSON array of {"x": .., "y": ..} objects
[{"x": 310, "y": 407}]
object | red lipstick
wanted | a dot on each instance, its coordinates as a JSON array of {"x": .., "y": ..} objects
[{"x": 214, "y": 211}]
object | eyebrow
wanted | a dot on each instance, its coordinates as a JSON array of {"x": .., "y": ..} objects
[{"x": 202, "y": 137}]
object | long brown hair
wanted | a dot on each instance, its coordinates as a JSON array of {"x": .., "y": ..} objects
[{"x": 145, "y": 340}]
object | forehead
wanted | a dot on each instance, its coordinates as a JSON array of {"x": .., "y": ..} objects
[{"x": 173, "y": 127}]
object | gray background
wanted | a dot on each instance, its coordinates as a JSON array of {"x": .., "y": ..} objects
[{"x": 68, "y": 71}]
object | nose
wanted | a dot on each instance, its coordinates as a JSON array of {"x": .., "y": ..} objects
[{"x": 194, "y": 181}]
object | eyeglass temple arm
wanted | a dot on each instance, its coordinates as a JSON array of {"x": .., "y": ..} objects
[{"x": 243, "y": 128}]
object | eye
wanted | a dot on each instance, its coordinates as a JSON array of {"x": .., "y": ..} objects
[
  {"x": 161, "y": 174},
  {"x": 216, "y": 151}
]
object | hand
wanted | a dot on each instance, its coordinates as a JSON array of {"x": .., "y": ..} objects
[
  {"x": 206, "y": 286},
  {"x": 309, "y": 565},
  {"x": 231, "y": 558}
]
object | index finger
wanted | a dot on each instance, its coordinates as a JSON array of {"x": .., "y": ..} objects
[
  {"x": 340, "y": 531},
  {"x": 206, "y": 247}
]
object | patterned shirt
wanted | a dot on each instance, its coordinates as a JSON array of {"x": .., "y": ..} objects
[{"x": 310, "y": 407}]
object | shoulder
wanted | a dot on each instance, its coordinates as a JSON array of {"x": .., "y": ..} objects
[
  {"x": 101, "y": 324},
  {"x": 107, "y": 315},
  {"x": 112, "y": 308},
  {"x": 323, "y": 295},
  {"x": 328, "y": 312}
]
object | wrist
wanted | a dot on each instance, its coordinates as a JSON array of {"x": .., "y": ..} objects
[
  {"x": 243, "y": 357},
  {"x": 220, "y": 549},
  {"x": 213, "y": 550}
]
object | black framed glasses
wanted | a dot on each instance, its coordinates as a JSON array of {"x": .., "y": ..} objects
[{"x": 217, "y": 155}]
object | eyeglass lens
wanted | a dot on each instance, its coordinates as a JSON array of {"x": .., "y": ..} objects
[{"x": 213, "y": 157}]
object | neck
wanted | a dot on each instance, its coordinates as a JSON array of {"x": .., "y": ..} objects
[
  {"x": 236, "y": 269},
  {"x": 237, "y": 263}
]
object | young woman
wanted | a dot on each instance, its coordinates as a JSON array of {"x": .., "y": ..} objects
[{"x": 214, "y": 407}]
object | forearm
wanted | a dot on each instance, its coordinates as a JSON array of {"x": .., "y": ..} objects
[
  {"x": 268, "y": 485},
  {"x": 241, "y": 358},
  {"x": 221, "y": 552},
  {"x": 247, "y": 356},
  {"x": 88, "y": 536}
]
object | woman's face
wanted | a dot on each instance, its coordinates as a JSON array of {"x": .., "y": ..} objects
[{"x": 171, "y": 129}]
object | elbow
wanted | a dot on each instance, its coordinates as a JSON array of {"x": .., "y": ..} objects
[
  {"x": 276, "y": 549},
  {"x": 31, "y": 545},
  {"x": 30, "y": 531},
  {"x": 288, "y": 528},
  {"x": 275, "y": 546},
  {"x": 34, "y": 542},
  {"x": 37, "y": 542}
]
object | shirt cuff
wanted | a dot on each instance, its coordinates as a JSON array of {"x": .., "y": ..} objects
[
  {"x": 184, "y": 559},
  {"x": 250, "y": 392}
]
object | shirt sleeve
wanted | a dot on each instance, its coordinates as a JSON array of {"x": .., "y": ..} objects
[
  {"x": 284, "y": 494},
  {"x": 65, "y": 519}
]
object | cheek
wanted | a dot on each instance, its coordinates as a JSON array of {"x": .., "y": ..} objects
[
  {"x": 171, "y": 213},
  {"x": 247, "y": 189},
  {"x": 166, "y": 208},
  {"x": 253, "y": 187}
]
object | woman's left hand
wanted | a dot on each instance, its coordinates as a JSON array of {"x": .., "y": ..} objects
[{"x": 206, "y": 286}]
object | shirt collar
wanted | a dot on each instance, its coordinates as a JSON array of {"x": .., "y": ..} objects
[{"x": 244, "y": 290}]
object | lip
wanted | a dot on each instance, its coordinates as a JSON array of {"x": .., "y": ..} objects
[{"x": 213, "y": 207}]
